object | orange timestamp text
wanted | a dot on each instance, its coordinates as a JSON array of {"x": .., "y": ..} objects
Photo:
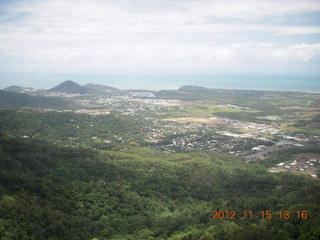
[{"x": 285, "y": 214}]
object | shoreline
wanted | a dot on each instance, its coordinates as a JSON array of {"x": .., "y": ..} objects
[{"x": 177, "y": 89}]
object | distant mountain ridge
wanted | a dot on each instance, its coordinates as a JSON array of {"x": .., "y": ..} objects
[
  {"x": 69, "y": 87},
  {"x": 97, "y": 88},
  {"x": 193, "y": 88},
  {"x": 72, "y": 87},
  {"x": 19, "y": 89},
  {"x": 14, "y": 89}
]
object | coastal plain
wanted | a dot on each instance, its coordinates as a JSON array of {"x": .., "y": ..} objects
[{"x": 96, "y": 162}]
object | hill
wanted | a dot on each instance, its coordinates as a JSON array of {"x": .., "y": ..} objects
[
  {"x": 97, "y": 88},
  {"x": 17, "y": 100},
  {"x": 193, "y": 89},
  {"x": 14, "y": 89},
  {"x": 74, "y": 88},
  {"x": 23, "y": 89},
  {"x": 52, "y": 192},
  {"x": 69, "y": 87},
  {"x": 74, "y": 129}
]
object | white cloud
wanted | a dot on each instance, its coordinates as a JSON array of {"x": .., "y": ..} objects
[
  {"x": 97, "y": 33},
  {"x": 303, "y": 53},
  {"x": 299, "y": 30},
  {"x": 251, "y": 10}
]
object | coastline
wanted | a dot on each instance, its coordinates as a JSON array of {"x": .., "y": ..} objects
[{"x": 158, "y": 82}]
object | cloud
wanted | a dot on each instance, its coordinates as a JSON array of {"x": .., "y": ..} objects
[
  {"x": 269, "y": 52},
  {"x": 252, "y": 10},
  {"x": 104, "y": 33}
]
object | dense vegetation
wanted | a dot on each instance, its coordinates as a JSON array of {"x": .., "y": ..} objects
[
  {"x": 76, "y": 176},
  {"x": 17, "y": 100},
  {"x": 73, "y": 129},
  {"x": 51, "y": 192}
]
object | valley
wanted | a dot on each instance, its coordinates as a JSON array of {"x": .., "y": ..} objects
[{"x": 139, "y": 164}]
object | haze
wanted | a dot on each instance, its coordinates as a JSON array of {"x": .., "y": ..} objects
[{"x": 189, "y": 36}]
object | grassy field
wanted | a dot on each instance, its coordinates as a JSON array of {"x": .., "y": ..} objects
[{"x": 294, "y": 111}]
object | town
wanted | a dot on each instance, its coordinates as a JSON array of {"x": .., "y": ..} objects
[{"x": 252, "y": 141}]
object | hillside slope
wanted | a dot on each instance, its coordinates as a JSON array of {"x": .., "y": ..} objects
[
  {"x": 51, "y": 192},
  {"x": 99, "y": 89},
  {"x": 18, "y": 100}
]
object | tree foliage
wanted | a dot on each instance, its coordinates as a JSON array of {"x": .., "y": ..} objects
[{"x": 55, "y": 192}]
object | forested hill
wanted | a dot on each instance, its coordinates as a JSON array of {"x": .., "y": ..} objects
[
  {"x": 18, "y": 100},
  {"x": 69, "y": 87},
  {"x": 73, "y": 129},
  {"x": 53, "y": 192},
  {"x": 99, "y": 89},
  {"x": 74, "y": 88}
]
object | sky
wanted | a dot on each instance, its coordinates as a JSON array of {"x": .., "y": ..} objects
[{"x": 160, "y": 36}]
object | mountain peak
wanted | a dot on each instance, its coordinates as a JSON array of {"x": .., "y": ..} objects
[
  {"x": 69, "y": 87},
  {"x": 70, "y": 82}
]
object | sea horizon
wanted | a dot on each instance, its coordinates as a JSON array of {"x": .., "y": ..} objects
[{"x": 148, "y": 81}]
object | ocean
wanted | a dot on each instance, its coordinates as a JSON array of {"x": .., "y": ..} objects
[{"x": 304, "y": 83}]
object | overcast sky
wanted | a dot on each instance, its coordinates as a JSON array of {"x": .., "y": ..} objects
[{"x": 165, "y": 36}]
